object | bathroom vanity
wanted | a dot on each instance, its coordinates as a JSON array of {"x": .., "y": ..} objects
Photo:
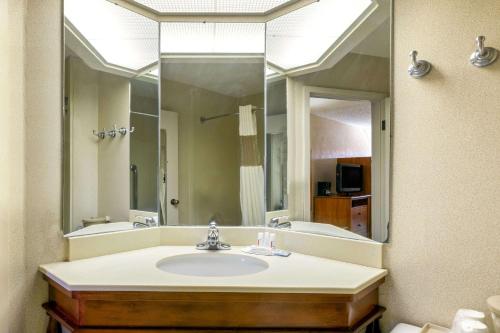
[{"x": 129, "y": 292}]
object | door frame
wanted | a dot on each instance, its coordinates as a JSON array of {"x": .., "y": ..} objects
[
  {"x": 299, "y": 143},
  {"x": 164, "y": 123}
]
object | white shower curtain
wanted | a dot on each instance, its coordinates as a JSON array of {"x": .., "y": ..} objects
[
  {"x": 276, "y": 172},
  {"x": 251, "y": 171}
]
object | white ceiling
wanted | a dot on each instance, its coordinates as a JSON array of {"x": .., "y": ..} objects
[
  {"x": 212, "y": 6},
  {"x": 231, "y": 77},
  {"x": 378, "y": 43},
  {"x": 354, "y": 113}
]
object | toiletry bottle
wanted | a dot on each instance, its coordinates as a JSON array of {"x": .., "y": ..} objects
[
  {"x": 265, "y": 242},
  {"x": 272, "y": 241},
  {"x": 260, "y": 239}
]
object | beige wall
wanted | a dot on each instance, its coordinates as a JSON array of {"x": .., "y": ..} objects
[
  {"x": 332, "y": 139},
  {"x": 114, "y": 157},
  {"x": 209, "y": 155},
  {"x": 30, "y": 172},
  {"x": 353, "y": 72},
  {"x": 12, "y": 176},
  {"x": 98, "y": 169},
  {"x": 445, "y": 231},
  {"x": 82, "y": 147}
]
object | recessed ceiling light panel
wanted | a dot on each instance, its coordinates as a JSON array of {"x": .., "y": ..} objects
[
  {"x": 212, "y": 6},
  {"x": 213, "y": 38}
]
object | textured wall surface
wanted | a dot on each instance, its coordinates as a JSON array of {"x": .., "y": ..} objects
[
  {"x": 12, "y": 217},
  {"x": 333, "y": 139},
  {"x": 31, "y": 168},
  {"x": 353, "y": 72},
  {"x": 43, "y": 236},
  {"x": 445, "y": 235}
]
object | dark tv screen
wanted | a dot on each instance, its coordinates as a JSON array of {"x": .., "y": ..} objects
[{"x": 349, "y": 178}]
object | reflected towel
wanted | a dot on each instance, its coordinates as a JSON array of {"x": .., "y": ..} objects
[{"x": 248, "y": 122}]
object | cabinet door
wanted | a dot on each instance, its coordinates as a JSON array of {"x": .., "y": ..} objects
[
  {"x": 332, "y": 210},
  {"x": 359, "y": 220}
]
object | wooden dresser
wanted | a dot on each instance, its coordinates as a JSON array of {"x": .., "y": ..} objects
[{"x": 348, "y": 212}]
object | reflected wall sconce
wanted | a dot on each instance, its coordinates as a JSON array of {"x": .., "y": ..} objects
[
  {"x": 418, "y": 68},
  {"x": 483, "y": 56}
]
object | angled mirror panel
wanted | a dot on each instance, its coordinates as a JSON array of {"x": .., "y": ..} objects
[
  {"x": 339, "y": 135},
  {"x": 211, "y": 75},
  {"x": 110, "y": 54}
]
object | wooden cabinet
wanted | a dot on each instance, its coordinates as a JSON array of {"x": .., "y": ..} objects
[
  {"x": 190, "y": 312},
  {"x": 348, "y": 212}
]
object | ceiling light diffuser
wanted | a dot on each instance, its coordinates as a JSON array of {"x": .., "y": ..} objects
[
  {"x": 218, "y": 38},
  {"x": 212, "y": 6},
  {"x": 121, "y": 37},
  {"x": 301, "y": 37}
]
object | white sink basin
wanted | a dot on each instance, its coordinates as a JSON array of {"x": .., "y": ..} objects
[{"x": 212, "y": 264}]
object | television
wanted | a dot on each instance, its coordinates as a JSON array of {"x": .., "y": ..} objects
[{"x": 349, "y": 178}]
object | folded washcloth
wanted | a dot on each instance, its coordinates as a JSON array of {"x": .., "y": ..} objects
[
  {"x": 265, "y": 251},
  {"x": 470, "y": 326},
  {"x": 464, "y": 314}
]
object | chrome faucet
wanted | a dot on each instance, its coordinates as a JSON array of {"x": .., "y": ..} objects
[
  {"x": 275, "y": 223},
  {"x": 213, "y": 242},
  {"x": 148, "y": 222}
]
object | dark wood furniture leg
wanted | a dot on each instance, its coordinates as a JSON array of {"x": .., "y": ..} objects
[
  {"x": 53, "y": 326},
  {"x": 374, "y": 327}
]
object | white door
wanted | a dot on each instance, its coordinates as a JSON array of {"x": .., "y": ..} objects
[{"x": 169, "y": 123}]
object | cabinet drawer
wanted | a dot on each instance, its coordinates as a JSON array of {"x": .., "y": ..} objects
[{"x": 359, "y": 220}]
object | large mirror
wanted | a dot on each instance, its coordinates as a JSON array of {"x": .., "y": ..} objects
[
  {"x": 248, "y": 113},
  {"x": 111, "y": 118}
]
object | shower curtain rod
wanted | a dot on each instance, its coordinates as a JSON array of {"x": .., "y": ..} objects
[{"x": 204, "y": 119}]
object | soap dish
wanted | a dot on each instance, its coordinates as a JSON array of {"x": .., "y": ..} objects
[{"x": 431, "y": 328}]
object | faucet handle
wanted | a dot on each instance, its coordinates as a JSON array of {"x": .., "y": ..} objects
[{"x": 277, "y": 220}]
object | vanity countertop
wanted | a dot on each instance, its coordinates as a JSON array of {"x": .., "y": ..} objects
[{"x": 137, "y": 271}]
